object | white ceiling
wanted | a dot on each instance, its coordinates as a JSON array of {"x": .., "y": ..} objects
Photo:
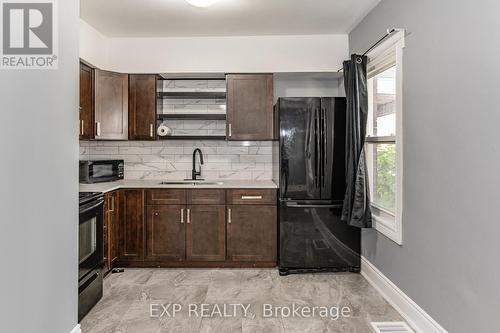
[{"x": 176, "y": 18}]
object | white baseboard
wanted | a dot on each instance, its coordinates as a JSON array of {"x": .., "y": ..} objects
[
  {"x": 416, "y": 317},
  {"x": 76, "y": 329}
]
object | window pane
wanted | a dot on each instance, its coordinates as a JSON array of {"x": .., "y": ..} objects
[
  {"x": 382, "y": 173},
  {"x": 382, "y": 103}
]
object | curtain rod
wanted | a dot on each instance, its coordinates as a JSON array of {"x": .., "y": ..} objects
[{"x": 389, "y": 32}]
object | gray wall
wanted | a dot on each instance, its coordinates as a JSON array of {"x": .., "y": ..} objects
[
  {"x": 449, "y": 261},
  {"x": 38, "y": 191}
]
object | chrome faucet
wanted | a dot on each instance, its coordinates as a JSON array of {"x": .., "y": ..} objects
[{"x": 194, "y": 172}]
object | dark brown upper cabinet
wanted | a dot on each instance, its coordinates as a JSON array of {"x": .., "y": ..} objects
[
  {"x": 142, "y": 107},
  {"x": 86, "y": 102},
  {"x": 249, "y": 107},
  {"x": 111, "y": 105}
]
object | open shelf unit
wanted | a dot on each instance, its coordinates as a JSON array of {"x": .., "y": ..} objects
[
  {"x": 205, "y": 93},
  {"x": 192, "y": 137},
  {"x": 194, "y": 116},
  {"x": 192, "y": 94}
]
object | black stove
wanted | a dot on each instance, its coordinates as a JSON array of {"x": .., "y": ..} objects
[
  {"x": 84, "y": 197},
  {"x": 90, "y": 250}
]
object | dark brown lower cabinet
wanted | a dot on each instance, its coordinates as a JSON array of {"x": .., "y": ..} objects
[
  {"x": 252, "y": 233},
  {"x": 195, "y": 228},
  {"x": 111, "y": 222},
  {"x": 165, "y": 233},
  {"x": 206, "y": 233},
  {"x": 131, "y": 231}
]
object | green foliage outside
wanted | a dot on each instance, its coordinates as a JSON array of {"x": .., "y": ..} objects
[{"x": 385, "y": 182}]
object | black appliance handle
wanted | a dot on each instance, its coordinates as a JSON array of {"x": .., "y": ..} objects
[
  {"x": 317, "y": 157},
  {"x": 295, "y": 205},
  {"x": 323, "y": 146},
  {"x": 88, "y": 280},
  {"x": 86, "y": 209}
]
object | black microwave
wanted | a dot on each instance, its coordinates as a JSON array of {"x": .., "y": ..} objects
[{"x": 101, "y": 171}]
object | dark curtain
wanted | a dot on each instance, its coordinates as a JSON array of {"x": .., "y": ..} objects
[{"x": 356, "y": 211}]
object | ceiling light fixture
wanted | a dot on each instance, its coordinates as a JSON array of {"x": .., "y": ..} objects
[{"x": 201, "y": 3}]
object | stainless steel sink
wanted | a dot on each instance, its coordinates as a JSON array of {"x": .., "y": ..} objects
[
  {"x": 190, "y": 182},
  {"x": 208, "y": 183}
]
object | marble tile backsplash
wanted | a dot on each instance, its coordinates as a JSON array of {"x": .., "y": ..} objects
[{"x": 173, "y": 159}]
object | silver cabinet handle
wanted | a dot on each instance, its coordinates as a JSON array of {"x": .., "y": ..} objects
[
  {"x": 229, "y": 218},
  {"x": 188, "y": 216},
  {"x": 156, "y": 214},
  {"x": 182, "y": 215},
  {"x": 112, "y": 204},
  {"x": 81, "y": 128},
  {"x": 251, "y": 197},
  {"x": 230, "y": 130},
  {"x": 98, "y": 130},
  {"x": 151, "y": 130}
]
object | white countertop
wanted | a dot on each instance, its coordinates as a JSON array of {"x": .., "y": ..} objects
[{"x": 111, "y": 186}]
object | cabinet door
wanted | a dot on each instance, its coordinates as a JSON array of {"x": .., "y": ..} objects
[
  {"x": 132, "y": 225},
  {"x": 250, "y": 107},
  {"x": 113, "y": 223},
  {"x": 111, "y": 105},
  {"x": 165, "y": 232},
  {"x": 86, "y": 102},
  {"x": 251, "y": 233},
  {"x": 142, "y": 107},
  {"x": 110, "y": 230},
  {"x": 205, "y": 233}
]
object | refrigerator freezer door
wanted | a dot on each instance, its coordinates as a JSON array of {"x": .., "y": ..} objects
[
  {"x": 299, "y": 148},
  {"x": 313, "y": 238},
  {"x": 333, "y": 134}
]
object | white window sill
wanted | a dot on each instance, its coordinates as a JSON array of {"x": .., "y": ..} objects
[{"x": 386, "y": 224}]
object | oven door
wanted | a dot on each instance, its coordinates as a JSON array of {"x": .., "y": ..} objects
[{"x": 90, "y": 237}]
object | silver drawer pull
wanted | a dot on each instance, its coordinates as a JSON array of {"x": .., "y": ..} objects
[
  {"x": 188, "y": 216},
  {"x": 151, "y": 130},
  {"x": 251, "y": 197},
  {"x": 229, "y": 219},
  {"x": 182, "y": 215}
]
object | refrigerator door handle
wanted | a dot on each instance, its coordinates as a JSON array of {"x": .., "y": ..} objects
[
  {"x": 317, "y": 155},
  {"x": 324, "y": 144},
  {"x": 297, "y": 205}
]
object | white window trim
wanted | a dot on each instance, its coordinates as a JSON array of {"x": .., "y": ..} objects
[{"x": 387, "y": 225}]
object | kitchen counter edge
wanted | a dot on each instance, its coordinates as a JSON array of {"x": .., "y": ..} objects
[{"x": 226, "y": 184}]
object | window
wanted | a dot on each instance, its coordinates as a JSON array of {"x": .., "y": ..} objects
[{"x": 384, "y": 144}]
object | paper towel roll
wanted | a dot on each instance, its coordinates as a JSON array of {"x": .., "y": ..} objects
[{"x": 164, "y": 130}]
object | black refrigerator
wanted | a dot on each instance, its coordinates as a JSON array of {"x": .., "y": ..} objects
[{"x": 312, "y": 186}]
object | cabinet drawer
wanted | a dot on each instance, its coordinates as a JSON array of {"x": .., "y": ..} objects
[
  {"x": 165, "y": 197},
  {"x": 251, "y": 197},
  {"x": 206, "y": 197}
]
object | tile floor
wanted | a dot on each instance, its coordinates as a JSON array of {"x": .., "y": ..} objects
[{"x": 125, "y": 307}]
